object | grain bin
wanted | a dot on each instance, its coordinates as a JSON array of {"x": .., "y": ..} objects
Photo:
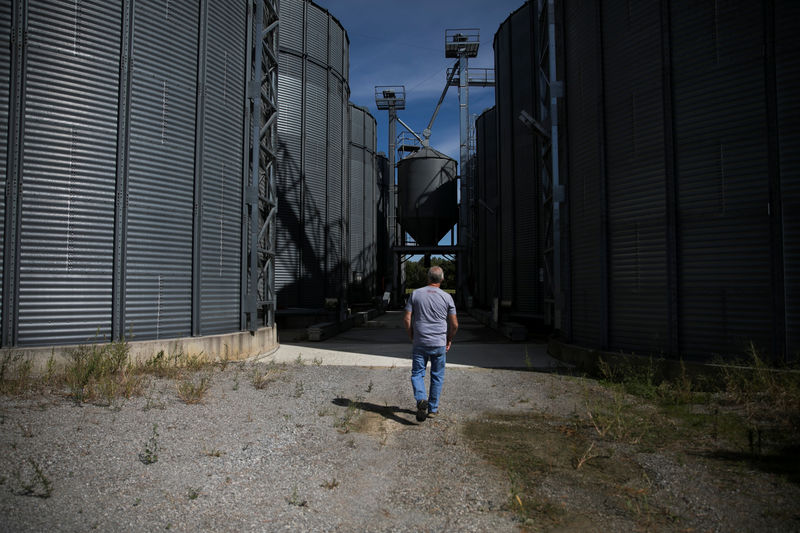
[
  {"x": 521, "y": 250},
  {"x": 487, "y": 209},
  {"x": 384, "y": 253},
  {"x": 682, "y": 174},
  {"x": 312, "y": 262},
  {"x": 428, "y": 195},
  {"x": 124, "y": 129},
  {"x": 363, "y": 203}
]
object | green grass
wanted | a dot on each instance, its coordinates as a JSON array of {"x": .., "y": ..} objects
[
  {"x": 101, "y": 373},
  {"x": 751, "y": 419}
]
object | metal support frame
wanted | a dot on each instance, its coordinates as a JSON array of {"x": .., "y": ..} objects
[
  {"x": 13, "y": 192},
  {"x": 477, "y": 77},
  {"x": 260, "y": 194},
  {"x": 418, "y": 249},
  {"x": 123, "y": 152},
  {"x": 549, "y": 91},
  {"x": 391, "y": 99},
  {"x": 199, "y": 162},
  {"x": 463, "y": 44}
]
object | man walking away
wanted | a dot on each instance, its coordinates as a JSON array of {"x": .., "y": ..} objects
[{"x": 431, "y": 323}]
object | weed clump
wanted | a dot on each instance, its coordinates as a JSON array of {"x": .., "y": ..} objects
[
  {"x": 193, "y": 390},
  {"x": 101, "y": 373},
  {"x": 149, "y": 454},
  {"x": 15, "y": 373},
  {"x": 263, "y": 376},
  {"x": 32, "y": 481}
]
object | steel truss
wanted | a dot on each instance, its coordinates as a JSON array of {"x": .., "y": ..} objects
[
  {"x": 549, "y": 91},
  {"x": 260, "y": 198}
]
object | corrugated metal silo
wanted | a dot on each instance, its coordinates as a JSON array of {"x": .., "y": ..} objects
[
  {"x": 722, "y": 178},
  {"x": 160, "y": 214},
  {"x": 428, "y": 208},
  {"x": 521, "y": 228},
  {"x": 384, "y": 254},
  {"x": 635, "y": 166},
  {"x": 67, "y": 160},
  {"x": 681, "y": 239},
  {"x": 787, "y": 78},
  {"x": 363, "y": 202},
  {"x": 487, "y": 196},
  {"x": 5, "y": 104},
  {"x": 124, "y": 209},
  {"x": 312, "y": 99},
  {"x": 586, "y": 178}
]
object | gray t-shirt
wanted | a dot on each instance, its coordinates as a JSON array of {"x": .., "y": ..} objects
[{"x": 429, "y": 308}]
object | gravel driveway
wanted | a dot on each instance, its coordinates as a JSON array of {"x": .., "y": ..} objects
[{"x": 329, "y": 448}]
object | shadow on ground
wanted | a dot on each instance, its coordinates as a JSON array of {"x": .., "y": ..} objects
[
  {"x": 387, "y": 411},
  {"x": 385, "y": 338}
]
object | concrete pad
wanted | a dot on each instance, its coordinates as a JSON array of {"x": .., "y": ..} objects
[{"x": 383, "y": 342}]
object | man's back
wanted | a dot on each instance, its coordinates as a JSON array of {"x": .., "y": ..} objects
[{"x": 430, "y": 307}]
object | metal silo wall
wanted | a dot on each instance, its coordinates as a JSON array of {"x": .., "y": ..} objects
[
  {"x": 289, "y": 177},
  {"x": 311, "y": 264},
  {"x": 486, "y": 260},
  {"x": 520, "y": 200},
  {"x": 371, "y": 195},
  {"x": 356, "y": 153},
  {"x": 682, "y": 176},
  {"x": 68, "y": 172},
  {"x": 635, "y": 166},
  {"x": 586, "y": 177},
  {"x": 363, "y": 202},
  {"x": 337, "y": 267},
  {"x": 119, "y": 186},
  {"x": 221, "y": 248},
  {"x": 383, "y": 253},
  {"x": 722, "y": 177},
  {"x": 158, "y": 299},
  {"x": 787, "y": 57}
]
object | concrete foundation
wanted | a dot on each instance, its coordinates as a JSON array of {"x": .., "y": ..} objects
[{"x": 235, "y": 346}]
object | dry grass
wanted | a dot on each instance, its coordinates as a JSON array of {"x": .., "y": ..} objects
[
  {"x": 264, "y": 375},
  {"x": 753, "y": 421},
  {"x": 104, "y": 373},
  {"x": 192, "y": 389}
]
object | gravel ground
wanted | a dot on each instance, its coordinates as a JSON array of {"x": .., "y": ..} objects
[{"x": 297, "y": 456}]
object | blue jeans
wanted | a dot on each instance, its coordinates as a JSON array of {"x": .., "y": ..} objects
[{"x": 420, "y": 357}]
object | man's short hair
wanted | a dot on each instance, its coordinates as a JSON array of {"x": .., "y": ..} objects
[{"x": 435, "y": 274}]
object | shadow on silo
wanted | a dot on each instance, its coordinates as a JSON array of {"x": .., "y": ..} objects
[{"x": 308, "y": 241}]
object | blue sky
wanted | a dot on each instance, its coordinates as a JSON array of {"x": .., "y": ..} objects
[{"x": 402, "y": 43}]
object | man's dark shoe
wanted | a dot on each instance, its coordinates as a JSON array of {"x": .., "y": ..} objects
[{"x": 422, "y": 410}]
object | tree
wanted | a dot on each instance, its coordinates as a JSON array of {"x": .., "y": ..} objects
[{"x": 417, "y": 274}]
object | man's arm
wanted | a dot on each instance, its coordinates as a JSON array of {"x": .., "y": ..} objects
[
  {"x": 407, "y": 324},
  {"x": 452, "y": 327}
]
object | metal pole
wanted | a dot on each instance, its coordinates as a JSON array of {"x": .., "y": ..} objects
[
  {"x": 16, "y": 127},
  {"x": 393, "y": 202},
  {"x": 463, "y": 108},
  {"x": 412, "y": 132},
  {"x": 558, "y": 191},
  {"x": 252, "y": 185},
  {"x": 441, "y": 98},
  {"x": 123, "y": 148}
]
